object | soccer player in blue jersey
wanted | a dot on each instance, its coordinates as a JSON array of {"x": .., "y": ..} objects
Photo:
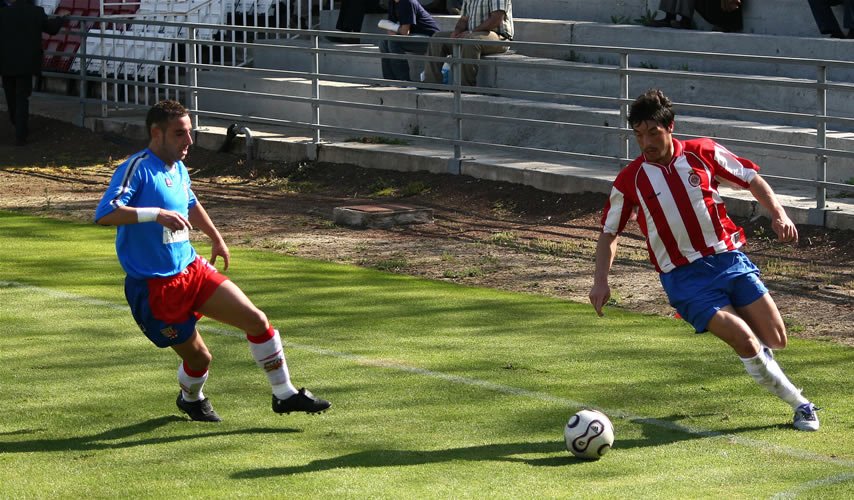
[{"x": 168, "y": 285}]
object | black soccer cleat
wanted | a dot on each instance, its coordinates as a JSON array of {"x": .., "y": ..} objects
[
  {"x": 199, "y": 411},
  {"x": 303, "y": 400}
]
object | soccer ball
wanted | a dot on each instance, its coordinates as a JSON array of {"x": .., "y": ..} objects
[{"x": 589, "y": 434}]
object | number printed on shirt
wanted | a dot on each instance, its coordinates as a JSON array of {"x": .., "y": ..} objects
[{"x": 170, "y": 236}]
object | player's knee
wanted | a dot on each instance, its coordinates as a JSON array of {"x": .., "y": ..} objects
[
  {"x": 747, "y": 346},
  {"x": 199, "y": 360},
  {"x": 776, "y": 337},
  {"x": 207, "y": 357},
  {"x": 778, "y": 342},
  {"x": 257, "y": 322}
]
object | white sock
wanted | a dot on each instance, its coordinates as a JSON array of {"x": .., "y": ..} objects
[
  {"x": 191, "y": 387},
  {"x": 767, "y": 373},
  {"x": 270, "y": 356}
]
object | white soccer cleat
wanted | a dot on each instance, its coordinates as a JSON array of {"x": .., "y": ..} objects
[{"x": 805, "y": 418}]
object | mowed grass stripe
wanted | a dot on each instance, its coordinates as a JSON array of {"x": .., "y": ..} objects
[
  {"x": 483, "y": 384},
  {"x": 85, "y": 393}
]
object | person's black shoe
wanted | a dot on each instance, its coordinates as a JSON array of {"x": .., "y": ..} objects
[
  {"x": 660, "y": 23},
  {"x": 684, "y": 23},
  {"x": 200, "y": 411},
  {"x": 303, "y": 400}
]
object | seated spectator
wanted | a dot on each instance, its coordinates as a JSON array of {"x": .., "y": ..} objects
[
  {"x": 454, "y": 6},
  {"x": 414, "y": 22},
  {"x": 724, "y": 14},
  {"x": 479, "y": 20},
  {"x": 826, "y": 20},
  {"x": 684, "y": 9},
  {"x": 351, "y": 13}
]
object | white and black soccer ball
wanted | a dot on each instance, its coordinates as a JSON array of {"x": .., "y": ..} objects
[{"x": 589, "y": 434}]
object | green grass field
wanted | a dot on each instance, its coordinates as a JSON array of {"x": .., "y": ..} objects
[{"x": 439, "y": 391}]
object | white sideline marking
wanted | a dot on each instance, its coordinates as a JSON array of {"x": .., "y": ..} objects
[
  {"x": 504, "y": 389},
  {"x": 803, "y": 488}
]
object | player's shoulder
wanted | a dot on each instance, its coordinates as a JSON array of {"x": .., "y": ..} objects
[
  {"x": 136, "y": 163},
  {"x": 632, "y": 167},
  {"x": 699, "y": 144}
]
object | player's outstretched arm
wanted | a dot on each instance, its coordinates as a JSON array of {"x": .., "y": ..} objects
[
  {"x": 133, "y": 215},
  {"x": 200, "y": 218},
  {"x": 600, "y": 293},
  {"x": 782, "y": 225}
]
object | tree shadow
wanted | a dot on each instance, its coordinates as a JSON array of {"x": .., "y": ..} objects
[
  {"x": 121, "y": 437},
  {"x": 656, "y": 432}
]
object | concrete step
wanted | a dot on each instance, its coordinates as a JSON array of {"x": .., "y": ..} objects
[
  {"x": 625, "y": 35},
  {"x": 770, "y": 18},
  {"x": 591, "y": 73},
  {"x": 551, "y": 133}
]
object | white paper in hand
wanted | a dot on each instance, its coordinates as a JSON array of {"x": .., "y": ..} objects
[{"x": 388, "y": 25}]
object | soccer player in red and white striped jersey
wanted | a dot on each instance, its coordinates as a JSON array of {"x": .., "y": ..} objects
[{"x": 694, "y": 245}]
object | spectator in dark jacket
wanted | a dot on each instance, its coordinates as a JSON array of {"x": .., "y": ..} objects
[
  {"x": 410, "y": 20},
  {"x": 21, "y": 27},
  {"x": 350, "y": 17},
  {"x": 724, "y": 14},
  {"x": 826, "y": 20}
]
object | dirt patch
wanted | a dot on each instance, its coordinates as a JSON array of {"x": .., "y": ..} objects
[{"x": 485, "y": 233}]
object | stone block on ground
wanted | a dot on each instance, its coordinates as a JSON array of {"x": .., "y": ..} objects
[{"x": 381, "y": 215}]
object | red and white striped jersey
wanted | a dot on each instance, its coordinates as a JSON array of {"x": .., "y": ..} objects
[{"x": 680, "y": 210}]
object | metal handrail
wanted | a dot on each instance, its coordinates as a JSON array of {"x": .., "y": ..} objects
[{"x": 623, "y": 72}]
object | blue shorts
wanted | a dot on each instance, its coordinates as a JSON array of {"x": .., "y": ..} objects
[
  {"x": 166, "y": 308},
  {"x": 700, "y": 289}
]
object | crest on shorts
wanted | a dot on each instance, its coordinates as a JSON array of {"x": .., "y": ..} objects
[
  {"x": 694, "y": 179},
  {"x": 169, "y": 332}
]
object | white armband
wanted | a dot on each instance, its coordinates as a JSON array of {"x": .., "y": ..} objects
[{"x": 147, "y": 214}]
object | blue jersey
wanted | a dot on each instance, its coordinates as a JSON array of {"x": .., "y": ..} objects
[{"x": 148, "y": 249}]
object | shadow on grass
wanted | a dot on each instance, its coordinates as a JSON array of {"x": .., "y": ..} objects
[
  {"x": 389, "y": 458},
  {"x": 654, "y": 435},
  {"x": 122, "y": 437}
]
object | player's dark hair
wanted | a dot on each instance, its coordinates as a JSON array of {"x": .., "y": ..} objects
[
  {"x": 161, "y": 113},
  {"x": 651, "y": 105}
]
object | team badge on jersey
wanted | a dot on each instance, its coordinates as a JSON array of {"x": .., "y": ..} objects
[
  {"x": 168, "y": 182},
  {"x": 694, "y": 179}
]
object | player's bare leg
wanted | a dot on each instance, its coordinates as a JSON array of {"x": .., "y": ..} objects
[
  {"x": 231, "y": 306},
  {"x": 728, "y": 325},
  {"x": 765, "y": 321}
]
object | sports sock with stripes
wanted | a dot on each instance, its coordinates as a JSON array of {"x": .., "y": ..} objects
[
  {"x": 270, "y": 356},
  {"x": 767, "y": 373},
  {"x": 191, "y": 382}
]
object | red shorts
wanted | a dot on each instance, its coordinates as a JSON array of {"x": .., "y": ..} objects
[
  {"x": 174, "y": 298},
  {"x": 166, "y": 309}
]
